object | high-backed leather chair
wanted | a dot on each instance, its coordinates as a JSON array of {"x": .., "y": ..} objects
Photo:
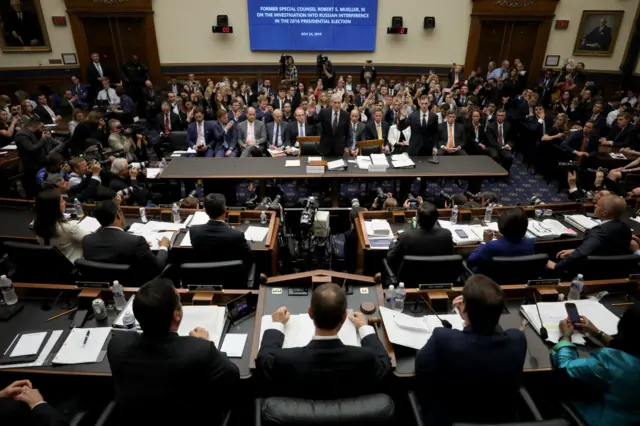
[
  {"x": 230, "y": 274},
  {"x": 605, "y": 267},
  {"x": 107, "y": 272},
  {"x": 308, "y": 145},
  {"x": 35, "y": 263},
  {"x": 369, "y": 147},
  {"x": 416, "y": 270},
  {"x": 516, "y": 270}
]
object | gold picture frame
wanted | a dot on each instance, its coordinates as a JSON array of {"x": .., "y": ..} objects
[
  {"x": 595, "y": 37},
  {"x": 25, "y": 32}
]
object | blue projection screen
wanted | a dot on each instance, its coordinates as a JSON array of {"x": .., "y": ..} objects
[{"x": 321, "y": 25}]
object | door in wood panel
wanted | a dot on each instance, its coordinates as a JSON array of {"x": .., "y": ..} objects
[
  {"x": 492, "y": 43},
  {"x": 102, "y": 39}
]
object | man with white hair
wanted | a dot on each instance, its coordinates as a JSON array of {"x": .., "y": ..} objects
[
  {"x": 334, "y": 123},
  {"x": 277, "y": 132},
  {"x": 126, "y": 179},
  {"x": 252, "y": 135},
  {"x": 118, "y": 141}
]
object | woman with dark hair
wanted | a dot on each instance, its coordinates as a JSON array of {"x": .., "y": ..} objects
[
  {"x": 7, "y": 128},
  {"x": 613, "y": 371},
  {"x": 52, "y": 229}
]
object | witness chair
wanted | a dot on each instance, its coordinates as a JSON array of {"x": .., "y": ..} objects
[
  {"x": 606, "y": 267},
  {"x": 369, "y": 147},
  {"x": 516, "y": 270},
  {"x": 371, "y": 410},
  {"x": 107, "y": 272},
  {"x": 178, "y": 141},
  {"x": 416, "y": 270},
  {"x": 230, "y": 274},
  {"x": 308, "y": 145},
  {"x": 35, "y": 263}
]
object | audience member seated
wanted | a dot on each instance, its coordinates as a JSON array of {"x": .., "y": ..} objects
[
  {"x": 111, "y": 244},
  {"x": 610, "y": 238},
  {"x": 512, "y": 225},
  {"x": 77, "y": 117},
  {"x": 252, "y": 135},
  {"x": 200, "y": 135},
  {"x": 577, "y": 194},
  {"x": 53, "y": 165},
  {"x": 325, "y": 368},
  {"x": 80, "y": 92},
  {"x": 582, "y": 145},
  {"x": 499, "y": 138},
  {"x": 277, "y": 133},
  {"x": 378, "y": 129},
  {"x": 484, "y": 360},
  {"x": 108, "y": 96},
  {"x": 623, "y": 134},
  {"x": 451, "y": 136},
  {"x": 426, "y": 240},
  {"x": 124, "y": 180},
  {"x": 609, "y": 375},
  {"x": 13, "y": 410},
  {"x": 154, "y": 371},
  {"x": 8, "y": 128},
  {"x": 45, "y": 113}
]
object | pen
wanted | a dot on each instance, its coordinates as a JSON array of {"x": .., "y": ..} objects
[
  {"x": 623, "y": 304},
  {"x": 86, "y": 337}
]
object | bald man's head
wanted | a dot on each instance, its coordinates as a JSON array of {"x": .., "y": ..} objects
[
  {"x": 328, "y": 308},
  {"x": 610, "y": 207}
]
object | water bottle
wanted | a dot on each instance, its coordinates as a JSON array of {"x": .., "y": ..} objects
[
  {"x": 163, "y": 163},
  {"x": 129, "y": 321},
  {"x": 8, "y": 292},
  {"x": 414, "y": 223},
  {"x": 118, "y": 295},
  {"x": 263, "y": 218},
  {"x": 78, "y": 207},
  {"x": 401, "y": 295},
  {"x": 390, "y": 296},
  {"x": 487, "y": 214},
  {"x": 175, "y": 210},
  {"x": 576, "y": 288},
  {"x": 454, "y": 215}
]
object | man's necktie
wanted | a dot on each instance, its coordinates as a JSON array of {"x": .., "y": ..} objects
[
  {"x": 301, "y": 132},
  {"x": 582, "y": 148},
  {"x": 593, "y": 117},
  {"x": 166, "y": 124},
  {"x": 334, "y": 126},
  {"x": 353, "y": 137},
  {"x": 451, "y": 144},
  {"x": 379, "y": 130},
  {"x": 424, "y": 120},
  {"x": 277, "y": 134},
  {"x": 500, "y": 141}
]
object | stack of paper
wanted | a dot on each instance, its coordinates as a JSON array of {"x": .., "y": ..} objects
[
  {"x": 198, "y": 218},
  {"x": 299, "y": 330},
  {"x": 44, "y": 353},
  {"x": 336, "y": 165},
  {"x": 178, "y": 153},
  {"x": 310, "y": 159},
  {"x": 255, "y": 233},
  {"x": 549, "y": 229},
  {"x": 233, "y": 345},
  {"x": 363, "y": 162},
  {"x": 617, "y": 156},
  {"x": 463, "y": 234},
  {"x": 186, "y": 241},
  {"x": 211, "y": 318},
  {"x": 379, "y": 228},
  {"x": 29, "y": 344},
  {"x": 553, "y": 312},
  {"x": 191, "y": 151},
  {"x": 10, "y": 147},
  {"x": 153, "y": 172},
  {"x": 154, "y": 231},
  {"x": 414, "y": 332},
  {"x": 76, "y": 351},
  {"x": 89, "y": 224},
  {"x": 277, "y": 152},
  {"x": 402, "y": 161},
  {"x": 292, "y": 163},
  {"x": 581, "y": 222},
  {"x": 379, "y": 160}
]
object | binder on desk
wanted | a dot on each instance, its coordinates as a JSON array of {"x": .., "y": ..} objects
[
  {"x": 83, "y": 346},
  {"x": 25, "y": 347}
]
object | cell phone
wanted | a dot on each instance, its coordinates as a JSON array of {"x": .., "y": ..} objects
[
  {"x": 572, "y": 311},
  {"x": 461, "y": 233}
]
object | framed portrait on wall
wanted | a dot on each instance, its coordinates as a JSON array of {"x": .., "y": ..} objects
[
  {"x": 23, "y": 27},
  {"x": 598, "y": 32}
]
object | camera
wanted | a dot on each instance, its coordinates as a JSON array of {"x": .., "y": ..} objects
[
  {"x": 413, "y": 202},
  {"x": 569, "y": 165},
  {"x": 381, "y": 197},
  {"x": 475, "y": 197},
  {"x": 355, "y": 203},
  {"x": 599, "y": 169},
  {"x": 127, "y": 192},
  {"x": 309, "y": 213},
  {"x": 139, "y": 165},
  {"x": 320, "y": 61},
  {"x": 535, "y": 200},
  {"x": 445, "y": 196}
]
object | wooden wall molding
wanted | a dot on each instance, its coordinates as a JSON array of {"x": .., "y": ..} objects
[{"x": 106, "y": 6}]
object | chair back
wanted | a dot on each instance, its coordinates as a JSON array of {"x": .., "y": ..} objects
[
  {"x": 35, "y": 263},
  {"x": 517, "y": 269},
  {"x": 553, "y": 422},
  {"x": 107, "y": 272},
  {"x": 606, "y": 267},
  {"x": 229, "y": 274},
  {"x": 369, "y": 147},
  {"x": 415, "y": 270},
  {"x": 308, "y": 145},
  {"x": 371, "y": 410},
  {"x": 178, "y": 141}
]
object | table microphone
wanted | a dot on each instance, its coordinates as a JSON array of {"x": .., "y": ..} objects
[
  {"x": 543, "y": 331},
  {"x": 445, "y": 323}
]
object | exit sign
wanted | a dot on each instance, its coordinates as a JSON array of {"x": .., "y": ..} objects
[
  {"x": 562, "y": 24},
  {"x": 59, "y": 21}
]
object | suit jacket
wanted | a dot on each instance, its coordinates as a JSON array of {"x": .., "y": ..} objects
[
  {"x": 389, "y": 117},
  {"x": 422, "y": 139},
  {"x": 608, "y": 239},
  {"x": 217, "y": 241},
  {"x": 154, "y": 372},
  {"x": 81, "y": 92},
  {"x": 109, "y": 245},
  {"x": 294, "y": 131},
  {"x": 501, "y": 247},
  {"x": 371, "y": 131},
  {"x": 324, "y": 369},
  {"x": 93, "y": 75},
  {"x": 458, "y": 134},
  {"x": 492, "y": 134},
  {"x": 360, "y": 134},
  {"x": 279, "y": 104},
  {"x": 600, "y": 123},
  {"x": 228, "y": 139},
  {"x": 470, "y": 135},
  {"x": 574, "y": 143},
  {"x": 259, "y": 131},
  {"x": 284, "y": 133},
  {"x": 43, "y": 114},
  {"x": 174, "y": 120},
  {"x": 623, "y": 137},
  {"x": 331, "y": 143},
  {"x": 420, "y": 242},
  {"x": 192, "y": 134},
  {"x": 28, "y": 28},
  {"x": 490, "y": 366},
  {"x": 33, "y": 151}
]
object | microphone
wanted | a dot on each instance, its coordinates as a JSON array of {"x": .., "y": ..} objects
[
  {"x": 543, "y": 331},
  {"x": 445, "y": 323}
]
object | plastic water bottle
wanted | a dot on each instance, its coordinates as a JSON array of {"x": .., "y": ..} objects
[
  {"x": 77, "y": 205},
  {"x": 263, "y": 217},
  {"x": 576, "y": 288},
  {"x": 175, "y": 210},
  {"x": 129, "y": 321},
  {"x": 390, "y": 296},
  {"x": 488, "y": 213},
  {"x": 163, "y": 163},
  {"x": 118, "y": 295},
  {"x": 8, "y": 292},
  {"x": 401, "y": 295},
  {"x": 454, "y": 215}
]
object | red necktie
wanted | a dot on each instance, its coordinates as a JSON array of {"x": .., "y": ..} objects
[{"x": 166, "y": 124}]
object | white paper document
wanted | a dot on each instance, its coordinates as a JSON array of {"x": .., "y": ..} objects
[
  {"x": 462, "y": 234},
  {"x": 233, "y": 345},
  {"x": 29, "y": 344},
  {"x": 191, "y": 151},
  {"x": 10, "y": 147},
  {"x": 255, "y": 233},
  {"x": 179, "y": 153},
  {"x": 153, "y": 172},
  {"x": 363, "y": 162},
  {"x": 581, "y": 222},
  {"x": 89, "y": 224},
  {"x": 44, "y": 353},
  {"x": 401, "y": 161},
  {"x": 199, "y": 218},
  {"x": 379, "y": 159},
  {"x": 378, "y": 228},
  {"x": 549, "y": 229},
  {"x": 414, "y": 332},
  {"x": 186, "y": 241},
  {"x": 76, "y": 351},
  {"x": 336, "y": 165},
  {"x": 292, "y": 163},
  {"x": 211, "y": 318},
  {"x": 310, "y": 159}
]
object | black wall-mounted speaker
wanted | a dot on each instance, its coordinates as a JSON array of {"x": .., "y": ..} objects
[
  {"x": 396, "y": 22},
  {"x": 223, "y": 21},
  {"x": 429, "y": 22}
]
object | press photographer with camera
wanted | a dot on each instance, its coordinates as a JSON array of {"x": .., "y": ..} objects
[
  {"x": 288, "y": 70},
  {"x": 368, "y": 73},
  {"x": 124, "y": 181},
  {"x": 328, "y": 75},
  {"x": 412, "y": 203},
  {"x": 383, "y": 201},
  {"x": 121, "y": 140}
]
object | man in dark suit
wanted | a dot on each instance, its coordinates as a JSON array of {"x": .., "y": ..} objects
[
  {"x": 334, "y": 125},
  {"x": 377, "y": 129},
  {"x": 217, "y": 241},
  {"x": 545, "y": 88},
  {"x": 623, "y": 134},
  {"x": 427, "y": 240},
  {"x": 304, "y": 372},
  {"x": 95, "y": 74},
  {"x": 225, "y": 136},
  {"x": 20, "y": 403},
  {"x": 392, "y": 115},
  {"x": 424, "y": 127},
  {"x": 154, "y": 369},
  {"x": 483, "y": 357},
  {"x": 174, "y": 85},
  {"x": 277, "y": 132},
  {"x": 45, "y": 112},
  {"x": 598, "y": 117},
  {"x": 21, "y": 28},
  {"x": 476, "y": 139},
  {"x": 150, "y": 101},
  {"x": 200, "y": 136},
  {"x": 111, "y": 244},
  {"x": 80, "y": 92},
  {"x": 582, "y": 145},
  {"x": 498, "y": 137},
  {"x": 356, "y": 132},
  {"x": 300, "y": 127},
  {"x": 167, "y": 121},
  {"x": 451, "y": 136},
  {"x": 599, "y": 38},
  {"x": 610, "y": 238}
]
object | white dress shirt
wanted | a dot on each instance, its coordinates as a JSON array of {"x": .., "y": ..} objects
[
  {"x": 110, "y": 95},
  {"x": 251, "y": 135},
  {"x": 98, "y": 68},
  {"x": 200, "y": 130}
]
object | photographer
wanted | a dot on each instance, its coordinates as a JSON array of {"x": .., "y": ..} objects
[
  {"x": 290, "y": 72},
  {"x": 412, "y": 202},
  {"x": 368, "y": 74},
  {"x": 328, "y": 75},
  {"x": 85, "y": 183},
  {"x": 384, "y": 201},
  {"x": 576, "y": 193},
  {"x": 124, "y": 181}
]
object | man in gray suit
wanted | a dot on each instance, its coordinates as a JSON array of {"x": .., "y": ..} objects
[
  {"x": 277, "y": 132},
  {"x": 252, "y": 135},
  {"x": 356, "y": 132}
]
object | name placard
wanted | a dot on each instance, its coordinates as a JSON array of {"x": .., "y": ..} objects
[
  {"x": 378, "y": 168},
  {"x": 537, "y": 283},
  {"x": 435, "y": 286},
  {"x": 315, "y": 170},
  {"x": 205, "y": 287},
  {"x": 93, "y": 284}
]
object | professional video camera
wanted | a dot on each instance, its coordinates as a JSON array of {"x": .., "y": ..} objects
[
  {"x": 320, "y": 61},
  {"x": 267, "y": 204},
  {"x": 569, "y": 165},
  {"x": 308, "y": 216},
  {"x": 535, "y": 200},
  {"x": 355, "y": 203},
  {"x": 475, "y": 197},
  {"x": 445, "y": 196}
]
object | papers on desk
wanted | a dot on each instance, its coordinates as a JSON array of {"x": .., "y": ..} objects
[
  {"x": 299, "y": 331},
  {"x": 10, "y": 147},
  {"x": 211, "y": 318},
  {"x": 463, "y": 234},
  {"x": 402, "y": 161},
  {"x": 292, "y": 163},
  {"x": 581, "y": 222},
  {"x": 617, "y": 156},
  {"x": 379, "y": 233},
  {"x": 151, "y": 231},
  {"x": 191, "y": 151},
  {"x": 414, "y": 332},
  {"x": 548, "y": 229},
  {"x": 255, "y": 233},
  {"x": 176, "y": 154},
  {"x": 379, "y": 160},
  {"x": 198, "y": 218},
  {"x": 363, "y": 162},
  {"x": 44, "y": 353},
  {"x": 336, "y": 165},
  {"x": 76, "y": 351},
  {"x": 553, "y": 312},
  {"x": 89, "y": 224},
  {"x": 153, "y": 172},
  {"x": 186, "y": 241},
  {"x": 233, "y": 345},
  {"x": 310, "y": 159},
  {"x": 29, "y": 344},
  {"x": 277, "y": 152}
]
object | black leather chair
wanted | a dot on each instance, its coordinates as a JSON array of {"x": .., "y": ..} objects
[
  {"x": 107, "y": 272},
  {"x": 178, "y": 141},
  {"x": 230, "y": 274},
  {"x": 369, "y": 410},
  {"x": 370, "y": 147},
  {"x": 553, "y": 422},
  {"x": 516, "y": 270},
  {"x": 415, "y": 270},
  {"x": 107, "y": 417},
  {"x": 35, "y": 263},
  {"x": 605, "y": 267},
  {"x": 308, "y": 145}
]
